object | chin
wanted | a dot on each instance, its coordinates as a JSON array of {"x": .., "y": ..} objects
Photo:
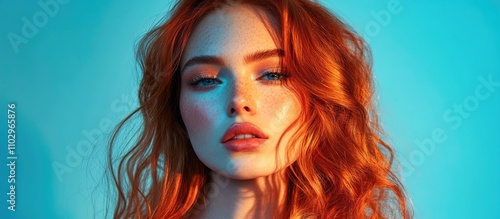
[
  {"x": 245, "y": 176},
  {"x": 247, "y": 171}
]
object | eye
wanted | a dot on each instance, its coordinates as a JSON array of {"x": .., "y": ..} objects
[
  {"x": 274, "y": 77},
  {"x": 204, "y": 82}
]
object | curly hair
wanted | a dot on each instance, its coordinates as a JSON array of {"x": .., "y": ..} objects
[{"x": 344, "y": 168}]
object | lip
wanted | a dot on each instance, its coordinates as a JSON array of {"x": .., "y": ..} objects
[{"x": 248, "y": 144}]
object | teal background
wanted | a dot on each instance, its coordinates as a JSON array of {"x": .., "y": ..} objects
[{"x": 76, "y": 77}]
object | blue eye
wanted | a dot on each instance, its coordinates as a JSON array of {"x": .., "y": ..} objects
[
  {"x": 204, "y": 82},
  {"x": 207, "y": 82},
  {"x": 274, "y": 77}
]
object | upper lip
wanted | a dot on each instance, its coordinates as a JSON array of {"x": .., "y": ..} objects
[{"x": 242, "y": 128}]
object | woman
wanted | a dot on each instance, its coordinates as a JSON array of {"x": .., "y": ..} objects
[{"x": 256, "y": 109}]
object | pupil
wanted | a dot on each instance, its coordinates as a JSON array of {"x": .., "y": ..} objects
[{"x": 209, "y": 81}]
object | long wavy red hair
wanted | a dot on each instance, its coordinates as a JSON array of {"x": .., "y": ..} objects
[{"x": 344, "y": 168}]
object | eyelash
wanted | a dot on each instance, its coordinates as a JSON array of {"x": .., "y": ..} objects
[
  {"x": 282, "y": 77},
  {"x": 195, "y": 82}
]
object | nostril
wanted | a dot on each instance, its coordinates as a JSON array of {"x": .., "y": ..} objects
[{"x": 234, "y": 110}]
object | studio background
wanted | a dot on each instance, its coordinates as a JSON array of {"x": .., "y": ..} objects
[{"x": 69, "y": 67}]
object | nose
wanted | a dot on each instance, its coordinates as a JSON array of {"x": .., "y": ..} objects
[{"x": 242, "y": 99}]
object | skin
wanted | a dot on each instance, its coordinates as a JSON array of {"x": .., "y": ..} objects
[{"x": 216, "y": 95}]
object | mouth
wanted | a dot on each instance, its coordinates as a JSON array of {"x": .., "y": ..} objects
[
  {"x": 242, "y": 136},
  {"x": 242, "y": 131}
]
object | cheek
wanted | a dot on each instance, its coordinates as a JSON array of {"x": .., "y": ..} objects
[
  {"x": 198, "y": 115},
  {"x": 282, "y": 108},
  {"x": 286, "y": 109}
]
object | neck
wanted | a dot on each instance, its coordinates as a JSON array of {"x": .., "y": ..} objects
[{"x": 254, "y": 198}]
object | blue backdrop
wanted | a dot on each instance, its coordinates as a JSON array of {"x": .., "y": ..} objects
[{"x": 69, "y": 67}]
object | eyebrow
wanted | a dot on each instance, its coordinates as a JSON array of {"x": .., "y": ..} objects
[
  {"x": 214, "y": 60},
  {"x": 259, "y": 55}
]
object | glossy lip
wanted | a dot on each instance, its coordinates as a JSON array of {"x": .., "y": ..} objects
[{"x": 248, "y": 144}]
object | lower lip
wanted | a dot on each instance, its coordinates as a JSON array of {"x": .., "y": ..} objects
[{"x": 241, "y": 145}]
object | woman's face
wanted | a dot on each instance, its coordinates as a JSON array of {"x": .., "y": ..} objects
[{"x": 233, "y": 101}]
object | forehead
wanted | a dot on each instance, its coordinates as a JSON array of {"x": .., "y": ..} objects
[{"x": 229, "y": 31}]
